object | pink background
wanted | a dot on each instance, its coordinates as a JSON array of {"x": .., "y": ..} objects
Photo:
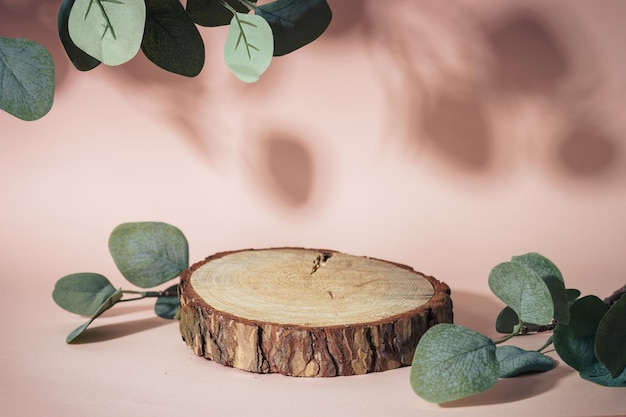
[{"x": 448, "y": 136}]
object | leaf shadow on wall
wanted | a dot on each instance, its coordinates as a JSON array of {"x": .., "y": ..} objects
[
  {"x": 281, "y": 165},
  {"x": 458, "y": 128},
  {"x": 182, "y": 102},
  {"x": 468, "y": 81},
  {"x": 531, "y": 58}
]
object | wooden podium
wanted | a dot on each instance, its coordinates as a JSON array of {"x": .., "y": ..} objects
[{"x": 308, "y": 312}]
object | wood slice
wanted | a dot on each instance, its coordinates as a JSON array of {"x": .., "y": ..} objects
[{"x": 308, "y": 312}]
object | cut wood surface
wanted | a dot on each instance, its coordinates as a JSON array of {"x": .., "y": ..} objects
[{"x": 308, "y": 312}]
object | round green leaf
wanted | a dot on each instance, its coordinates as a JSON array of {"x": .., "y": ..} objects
[
  {"x": 295, "y": 23},
  {"x": 575, "y": 341},
  {"x": 506, "y": 321},
  {"x": 108, "y": 30},
  {"x": 82, "y": 293},
  {"x": 107, "y": 304},
  {"x": 514, "y": 361},
  {"x": 26, "y": 78},
  {"x": 149, "y": 253},
  {"x": 80, "y": 59},
  {"x": 553, "y": 278},
  {"x": 249, "y": 46},
  {"x": 572, "y": 295},
  {"x": 168, "y": 306},
  {"x": 522, "y": 289},
  {"x": 171, "y": 39},
  {"x": 453, "y": 362},
  {"x": 610, "y": 345}
]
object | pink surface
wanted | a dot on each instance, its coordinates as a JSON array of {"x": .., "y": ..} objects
[{"x": 446, "y": 136}]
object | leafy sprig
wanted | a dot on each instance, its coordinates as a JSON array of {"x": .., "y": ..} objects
[
  {"x": 112, "y": 32},
  {"x": 147, "y": 254},
  {"x": 453, "y": 362},
  {"x": 166, "y": 32}
]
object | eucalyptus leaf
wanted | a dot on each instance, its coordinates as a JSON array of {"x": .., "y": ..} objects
[
  {"x": 149, "y": 253},
  {"x": 515, "y": 361},
  {"x": 522, "y": 289},
  {"x": 107, "y": 304},
  {"x": 82, "y": 293},
  {"x": 453, "y": 362},
  {"x": 599, "y": 374},
  {"x": 171, "y": 39},
  {"x": 168, "y": 306},
  {"x": 295, "y": 23},
  {"x": 572, "y": 295},
  {"x": 109, "y": 30},
  {"x": 249, "y": 46},
  {"x": 506, "y": 321},
  {"x": 26, "y": 78},
  {"x": 610, "y": 344},
  {"x": 213, "y": 12},
  {"x": 80, "y": 59},
  {"x": 575, "y": 341},
  {"x": 553, "y": 278}
]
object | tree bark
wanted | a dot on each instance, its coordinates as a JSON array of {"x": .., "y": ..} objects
[{"x": 308, "y": 312}]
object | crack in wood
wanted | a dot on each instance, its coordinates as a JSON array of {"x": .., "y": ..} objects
[{"x": 319, "y": 261}]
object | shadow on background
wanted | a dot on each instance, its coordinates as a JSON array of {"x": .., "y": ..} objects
[
  {"x": 462, "y": 72},
  {"x": 508, "y": 390},
  {"x": 458, "y": 69},
  {"x": 281, "y": 163},
  {"x": 101, "y": 333},
  {"x": 587, "y": 150},
  {"x": 529, "y": 56},
  {"x": 458, "y": 129},
  {"x": 184, "y": 103}
]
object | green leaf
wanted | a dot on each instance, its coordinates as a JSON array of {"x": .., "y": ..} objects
[
  {"x": 107, "y": 304},
  {"x": 575, "y": 341},
  {"x": 453, "y": 362},
  {"x": 213, "y": 12},
  {"x": 506, "y": 320},
  {"x": 522, "y": 289},
  {"x": 168, "y": 306},
  {"x": 149, "y": 253},
  {"x": 109, "y": 30},
  {"x": 295, "y": 23},
  {"x": 610, "y": 344},
  {"x": 80, "y": 59},
  {"x": 553, "y": 278},
  {"x": 599, "y": 374},
  {"x": 514, "y": 361},
  {"x": 572, "y": 295},
  {"x": 26, "y": 78},
  {"x": 82, "y": 293},
  {"x": 171, "y": 39},
  {"x": 249, "y": 46}
]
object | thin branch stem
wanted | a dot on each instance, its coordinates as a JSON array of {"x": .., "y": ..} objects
[
  {"x": 507, "y": 337},
  {"x": 545, "y": 345},
  {"x": 148, "y": 294},
  {"x": 612, "y": 299}
]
